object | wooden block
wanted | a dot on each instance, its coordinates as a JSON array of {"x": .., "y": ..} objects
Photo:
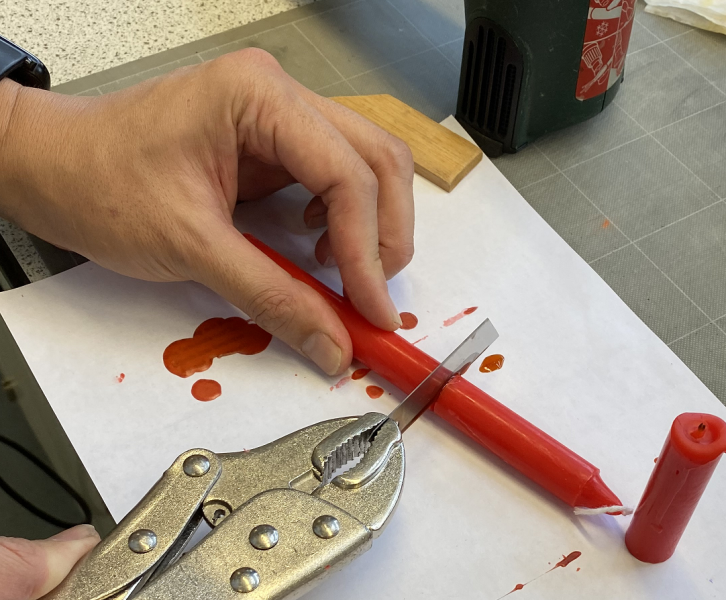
[{"x": 440, "y": 155}]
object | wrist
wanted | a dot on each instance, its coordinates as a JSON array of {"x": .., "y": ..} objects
[{"x": 8, "y": 98}]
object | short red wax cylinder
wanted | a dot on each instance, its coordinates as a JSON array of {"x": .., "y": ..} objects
[
  {"x": 499, "y": 429},
  {"x": 691, "y": 452}
]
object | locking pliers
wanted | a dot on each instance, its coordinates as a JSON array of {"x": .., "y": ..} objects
[{"x": 282, "y": 518}]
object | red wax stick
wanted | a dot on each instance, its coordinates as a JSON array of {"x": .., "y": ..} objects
[
  {"x": 512, "y": 438},
  {"x": 690, "y": 454}
]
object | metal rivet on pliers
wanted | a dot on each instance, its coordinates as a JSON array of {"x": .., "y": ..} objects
[
  {"x": 244, "y": 580},
  {"x": 142, "y": 541},
  {"x": 196, "y": 465},
  {"x": 326, "y": 527},
  {"x": 264, "y": 537}
]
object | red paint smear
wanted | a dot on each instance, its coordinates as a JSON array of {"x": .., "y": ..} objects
[
  {"x": 420, "y": 340},
  {"x": 214, "y": 338},
  {"x": 121, "y": 377},
  {"x": 408, "y": 320},
  {"x": 205, "y": 390},
  {"x": 359, "y": 374},
  {"x": 341, "y": 383},
  {"x": 566, "y": 560},
  {"x": 492, "y": 363},
  {"x": 374, "y": 391},
  {"x": 450, "y": 321}
]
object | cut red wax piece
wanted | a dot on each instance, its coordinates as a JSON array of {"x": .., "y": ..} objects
[
  {"x": 374, "y": 391},
  {"x": 499, "y": 429},
  {"x": 359, "y": 374},
  {"x": 689, "y": 457},
  {"x": 491, "y": 363}
]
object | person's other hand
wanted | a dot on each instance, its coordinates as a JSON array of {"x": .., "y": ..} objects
[
  {"x": 144, "y": 182},
  {"x": 29, "y": 570}
]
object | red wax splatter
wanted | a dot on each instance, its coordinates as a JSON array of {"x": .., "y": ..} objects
[
  {"x": 566, "y": 560},
  {"x": 360, "y": 373},
  {"x": 213, "y": 339},
  {"x": 408, "y": 320},
  {"x": 121, "y": 377},
  {"x": 420, "y": 340},
  {"x": 374, "y": 391},
  {"x": 458, "y": 317},
  {"x": 578, "y": 569},
  {"x": 519, "y": 586},
  {"x": 655, "y": 460},
  {"x": 605, "y": 224},
  {"x": 341, "y": 383},
  {"x": 205, "y": 390},
  {"x": 492, "y": 363}
]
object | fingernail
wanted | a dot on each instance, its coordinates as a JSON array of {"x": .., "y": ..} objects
[
  {"x": 396, "y": 316},
  {"x": 323, "y": 352},
  {"x": 78, "y": 532},
  {"x": 329, "y": 262},
  {"x": 317, "y": 221}
]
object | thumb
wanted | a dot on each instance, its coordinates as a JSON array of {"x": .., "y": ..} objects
[
  {"x": 29, "y": 570},
  {"x": 281, "y": 305}
]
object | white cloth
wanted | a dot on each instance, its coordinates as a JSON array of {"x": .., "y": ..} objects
[{"x": 704, "y": 14}]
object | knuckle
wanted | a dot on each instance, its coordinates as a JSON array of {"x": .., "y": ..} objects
[
  {"x": 274, "y": 310},
  {"x": 256, "y": 57},
  {"x": 399, "y": 155}
]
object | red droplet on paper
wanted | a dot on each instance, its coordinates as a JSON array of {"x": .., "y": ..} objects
[
  {"x": 374, "y": 391},
  {"x": 121, "y": 377},
  {"x": 566, "y": 560},
  {"x": 408, "y": 320},
  {"x": 205, "y": 390},
  {"x": 492, "y": 363},
  {"x": 214, "y": 338},
  {"x": 519, "y": 586},
  {"x": 606, "y": 224},
  {"x": 578, "y": 569},
  {"x": 467, "y": 311},
  {"x": 359, "y": 374},
  {"x": 341, "y": 383}
]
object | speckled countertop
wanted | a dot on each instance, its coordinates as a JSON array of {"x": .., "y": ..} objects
[{"x": 75, "y": 38}]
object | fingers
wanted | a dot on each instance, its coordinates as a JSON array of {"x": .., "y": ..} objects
[
  {"x": 391, "y": 161},
  {"x": 283, "y": 306},
  {"x": 278, "y": 124},
  {"x": 316, "y": 213},
  {"x": 30, "y": 569}
]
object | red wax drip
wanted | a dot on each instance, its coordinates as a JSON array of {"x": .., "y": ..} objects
[
  {"x": 459, "y": 316},
  {"x": 689, "y": 457},
  {"x": 566, "y": 560},
  {"x": 359, "y": 373},
  {"x": 499, "y": 429},
  {"x": 121, "y": 377},
  {"x": 492, "y": 363},
  {"x": 519, "y": 586},
  {"x": 374, "y": 391},
  {"x": 205, "y": 390},
  {"x": 408, "y": 320},
  {"x": 213, "y": 339}
]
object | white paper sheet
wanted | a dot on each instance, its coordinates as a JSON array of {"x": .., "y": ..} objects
[{"x": 578, "y": 363}]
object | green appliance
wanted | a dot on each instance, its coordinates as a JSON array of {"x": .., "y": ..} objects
[{"x": 534, "y": 66}]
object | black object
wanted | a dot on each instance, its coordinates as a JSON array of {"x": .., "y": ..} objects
[
  {"x": 534, "y": 66},
  {"x": 27, "y": 504},
  {"x": 21, "y": 66}
]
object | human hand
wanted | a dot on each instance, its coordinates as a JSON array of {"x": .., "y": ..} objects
[
  {"x": 144, "y": 182},
  {"x": 29, "y": 570}
]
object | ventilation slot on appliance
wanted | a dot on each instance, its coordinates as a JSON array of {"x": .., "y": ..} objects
[{"x": 489, "y": 84}]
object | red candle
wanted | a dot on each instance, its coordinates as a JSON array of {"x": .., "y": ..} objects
[
  {"x": 512, "y": 438},
  {"x": 690, "y": 454}
]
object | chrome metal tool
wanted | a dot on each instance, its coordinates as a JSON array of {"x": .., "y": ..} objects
[{"x": 282, "y": 518}]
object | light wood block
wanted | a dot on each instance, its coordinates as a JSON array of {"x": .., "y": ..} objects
[{"x": 440, "y": 155}]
